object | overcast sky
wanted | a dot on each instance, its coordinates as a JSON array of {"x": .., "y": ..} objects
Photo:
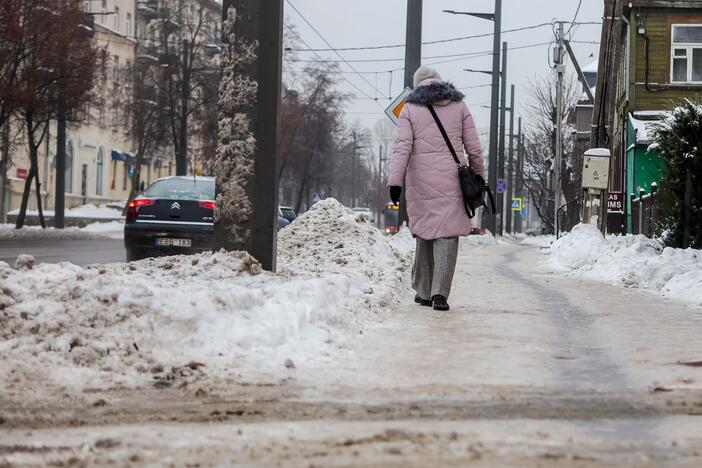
[{"x": 360, "y": 23}]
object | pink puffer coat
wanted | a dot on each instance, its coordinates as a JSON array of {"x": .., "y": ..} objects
[{"x": 422, "y": 163}]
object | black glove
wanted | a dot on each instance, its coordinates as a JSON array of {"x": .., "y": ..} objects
[{"x": 395, "y": 193}]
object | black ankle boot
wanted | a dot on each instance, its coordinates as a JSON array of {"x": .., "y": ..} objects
[
  {"x": 422, "y": 302},
  {"x": 439, "y": 302}
]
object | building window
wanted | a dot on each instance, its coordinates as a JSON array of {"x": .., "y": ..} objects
[
  {"x": 129, "y": 24},
  {"x": 103, "y": 9},
  {"x": 115, "y": 67},
  {"x": 99, "y": 171},
  {"x": 686, "y": 53},
  {"x": 116, "y": 18},
  {"x": 69, "y": 167}
]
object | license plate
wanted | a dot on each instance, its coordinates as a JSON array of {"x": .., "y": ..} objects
[{"x": 170, "y": 242}]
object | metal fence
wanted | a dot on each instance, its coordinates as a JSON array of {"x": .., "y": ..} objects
[{"x": 645, "y": 212}]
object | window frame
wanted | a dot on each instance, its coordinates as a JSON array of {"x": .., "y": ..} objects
[{"x": 689, "y": 47}]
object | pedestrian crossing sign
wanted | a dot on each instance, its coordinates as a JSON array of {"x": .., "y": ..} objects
[
  {"x": 516, "y": 204},
  {"x": 395, "y": 108}
]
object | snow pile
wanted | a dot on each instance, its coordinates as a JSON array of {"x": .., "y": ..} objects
[
  {"x": 330, "y": 239},
  {"x": 166, "y": 320},
  {"x": 403, "y": 242},
  {"x": 539, "y": 241},
  {"x": 111, "y": 229},
  {"x": 631, "y": 260},
  {"x": 97, "y": 230}
]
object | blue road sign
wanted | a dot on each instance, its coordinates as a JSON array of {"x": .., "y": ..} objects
[{"x": 501, "y": 186}]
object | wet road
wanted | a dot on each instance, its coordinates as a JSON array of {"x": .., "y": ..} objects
[{"x": 78, "y": 252}]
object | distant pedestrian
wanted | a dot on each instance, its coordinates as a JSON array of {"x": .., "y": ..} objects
[{"x": 422, "y": 163}]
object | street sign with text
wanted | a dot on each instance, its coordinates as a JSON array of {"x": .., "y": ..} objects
[{"x": 615, "y": 202}]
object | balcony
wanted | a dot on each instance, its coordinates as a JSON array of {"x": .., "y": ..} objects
[
  {"x": 147, "y": 9},
  {"x": 148, "y": 55}
]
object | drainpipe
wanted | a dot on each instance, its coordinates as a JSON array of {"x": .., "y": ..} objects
[
  {"x": 641, "y": 29},
  {"x": 627, "y": 58}
]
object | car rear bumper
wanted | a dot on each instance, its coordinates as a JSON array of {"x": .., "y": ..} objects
[{"x": 141, "y": 237}]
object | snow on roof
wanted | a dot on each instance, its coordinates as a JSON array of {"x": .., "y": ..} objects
[
  {"x": 597, "y": 152},
  {"x": 643, "y": 126}
]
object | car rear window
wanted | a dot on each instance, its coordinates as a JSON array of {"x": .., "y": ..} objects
[{"x": 194, "y": 189}]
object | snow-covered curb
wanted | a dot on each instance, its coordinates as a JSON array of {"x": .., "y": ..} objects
[
  {"x": 160, "y": 320},
  {"x": 97, "y": 230},
  {"x": 631, "y": 260},
  {"x": 105, "y": 211}
]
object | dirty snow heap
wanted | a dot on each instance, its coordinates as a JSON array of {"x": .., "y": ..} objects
[{"x": 216, "y": 315}]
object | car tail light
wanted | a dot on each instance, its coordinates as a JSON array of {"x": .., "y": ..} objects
[
  {"x": 134, "y": 205},
  {"x": 209, "y": 204}
]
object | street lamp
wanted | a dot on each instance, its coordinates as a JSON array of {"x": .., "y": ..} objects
[
  {"x": 487, "y": 16},
  {"x": 487, "y": 72},
  {"x": 496, "y": 18}
]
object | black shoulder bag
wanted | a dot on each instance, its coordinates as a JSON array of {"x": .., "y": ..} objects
[{"x": 473, "y": 185}]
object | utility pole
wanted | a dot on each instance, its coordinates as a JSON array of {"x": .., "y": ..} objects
[
  {"x": 495, "y": 104},
  {"x": 413, "y": 60},
  {"x": 182, "y": 157},
  {"x": 4, "y": 163},
  {"x": 354, "y": 172},
  {"x": 510, "y": 164},
  {"x": 262, "y": 23},
  {"x": 60, "y": 183},
  {"x": 503, "y": 125},
  {"x": 558, "y": 154},
  {"x": 520, "y": 175},
  {"x": 381, "y": 178}
]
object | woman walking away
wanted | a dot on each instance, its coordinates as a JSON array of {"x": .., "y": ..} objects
[{"x": 422, "y": 163}]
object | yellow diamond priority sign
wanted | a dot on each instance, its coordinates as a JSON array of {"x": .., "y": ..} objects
[{"x": 395, "y": 108}]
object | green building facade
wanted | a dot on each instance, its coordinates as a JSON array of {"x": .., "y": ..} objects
[{"x": 661, "y": 66}]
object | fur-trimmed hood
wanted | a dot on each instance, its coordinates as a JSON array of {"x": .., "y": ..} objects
[{"x": 433, "y": 92}]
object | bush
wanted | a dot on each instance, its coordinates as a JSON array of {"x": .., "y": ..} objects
[{"x": 679, "y": 142}]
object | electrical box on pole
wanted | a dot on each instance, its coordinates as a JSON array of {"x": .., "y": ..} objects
[{"x": 595, "y": 183}]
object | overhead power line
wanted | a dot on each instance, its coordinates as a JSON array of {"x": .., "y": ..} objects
[
  {"x": 459, "y": 57},
  {"x": 439, "y": 41},
  {"x": 331, "y": 48},
  {"x": 353, "y": 85}
]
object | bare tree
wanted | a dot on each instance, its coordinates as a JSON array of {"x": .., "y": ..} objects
[
  {"x": 191, "y": 79},
  {"x": 540, "y": 144},
  {"x": 135, "y": 98},
  {"x": 51, "y": 38}
]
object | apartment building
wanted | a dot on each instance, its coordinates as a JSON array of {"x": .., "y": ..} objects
[{"x": 100, "y": 152}]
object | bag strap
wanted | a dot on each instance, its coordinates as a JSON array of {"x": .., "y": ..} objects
[
  {"x": 492, "y": 199},
  {"x": 443, "y": 133}
]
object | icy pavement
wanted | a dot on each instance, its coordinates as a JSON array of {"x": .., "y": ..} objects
[{"x": 527, "y": 369}]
